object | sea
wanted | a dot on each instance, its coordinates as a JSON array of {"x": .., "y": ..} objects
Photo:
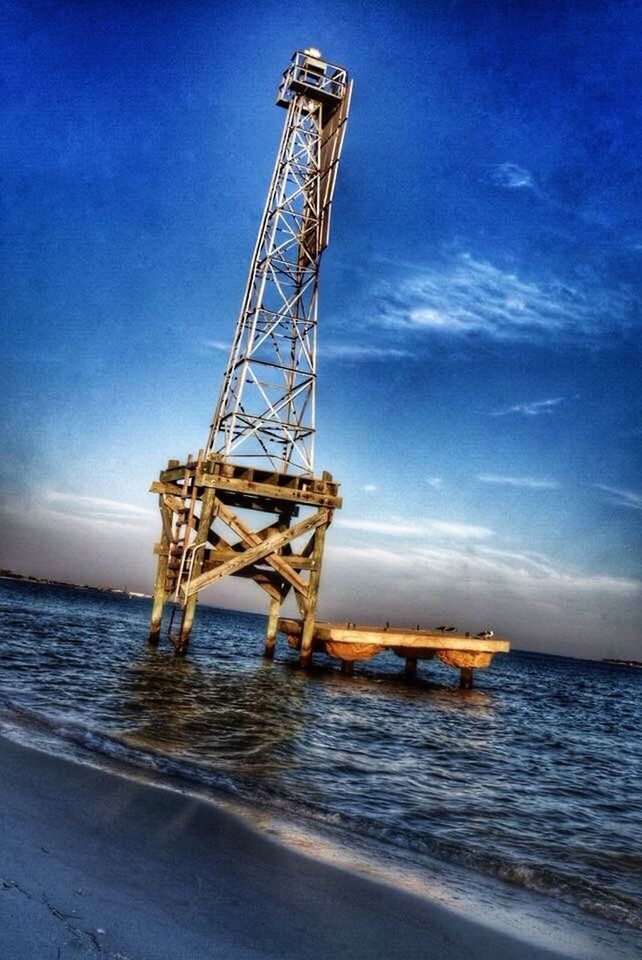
[{"x": 529, "y": 785}]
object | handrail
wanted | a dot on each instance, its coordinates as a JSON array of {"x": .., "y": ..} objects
[{"x": 193, "y": 547}]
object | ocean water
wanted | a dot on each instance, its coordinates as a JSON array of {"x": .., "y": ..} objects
[{"x": 534, "y": 777}]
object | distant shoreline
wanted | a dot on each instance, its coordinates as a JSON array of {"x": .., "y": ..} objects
[
  {"x": 29, "y": 578},
  {"x": 124, "y": 592}
]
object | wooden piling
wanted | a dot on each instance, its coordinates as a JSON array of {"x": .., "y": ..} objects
[
  {"x": 307, "y": 633},
  {"x": 466, "y": 678},
  {"x": 347, "y": 667},
  {"x": 411, "y": 667},
  {"x": 271, "y": 629},
  {"x": 196, "y": 561},
  {"x": 160, "y": 581}
]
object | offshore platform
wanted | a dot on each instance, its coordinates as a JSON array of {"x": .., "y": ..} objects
[
  {"x": 249, "y": 504},
  {"x": 258, "y": 460}
]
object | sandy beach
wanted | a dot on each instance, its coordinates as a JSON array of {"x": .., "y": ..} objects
[{"x": 97, "y": 864}]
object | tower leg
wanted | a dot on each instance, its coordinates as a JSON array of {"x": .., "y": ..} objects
[
  {"x": 411, "y": 666},
  {"x": 160, "y": 594},
  {"x": 466, "y": 678},
  {"x": 307, "y": 633},
  {"x": 204, "y": 524},
  {"x": 270, "y": 632}
]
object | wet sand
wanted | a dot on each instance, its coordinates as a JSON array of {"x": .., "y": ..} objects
[{"x": 95, "y": 864}]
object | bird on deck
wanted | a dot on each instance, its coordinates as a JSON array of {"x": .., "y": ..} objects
[
  {"x": 486, "y": 634},
  {"x": 446, "y": 629}
]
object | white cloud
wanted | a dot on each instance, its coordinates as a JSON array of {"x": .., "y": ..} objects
[
  {"x": 368, "y": 488},
  {"x": 461, "y": 531},
  {"x": 473, "y": 296},
  {"x": 425, "y": 528},
  {"x": 621, "y": 498},
  {"x": 218, "y": 345},
  {"x": 532, "y": 409},
  {"x": 360, "y": 351},
  {"x": 97, "y": 503},
  {"x": 513, "y": 177},
  {"x": 387, "y": 528},
  {"x": 434, "y": 482},
  {"x": 480, "y": 566},
  {"x": 535, "y": 602},
  {"x": 530, "y": 483},
  {"x": 96, "y": 511}
]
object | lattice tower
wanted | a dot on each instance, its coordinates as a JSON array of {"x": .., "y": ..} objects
[{"x": 265, "y": 411}]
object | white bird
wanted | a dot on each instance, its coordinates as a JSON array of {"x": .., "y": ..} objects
[{"x": 486, "y": 634}]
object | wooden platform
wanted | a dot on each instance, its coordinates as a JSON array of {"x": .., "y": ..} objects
[{"x": 351, "y": 642}]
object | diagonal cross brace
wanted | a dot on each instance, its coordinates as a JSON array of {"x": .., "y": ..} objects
[
  {"x": 260, "y": 577},
  {"x": 262, "y": 549},
  {"x": 251, "y": 538}
]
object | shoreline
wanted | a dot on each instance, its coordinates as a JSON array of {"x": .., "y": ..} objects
[{"x": 100, "y": 863}]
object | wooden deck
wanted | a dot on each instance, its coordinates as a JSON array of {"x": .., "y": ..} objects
[{"x": 349, "y": 642}]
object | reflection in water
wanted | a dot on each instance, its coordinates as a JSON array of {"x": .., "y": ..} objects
[{"x": 243, "y": 722}]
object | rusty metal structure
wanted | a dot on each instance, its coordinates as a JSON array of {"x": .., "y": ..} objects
[{"x": 259, "y": 457}]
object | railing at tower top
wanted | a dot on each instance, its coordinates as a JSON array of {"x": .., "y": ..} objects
[{"x": 310, "y": 75}]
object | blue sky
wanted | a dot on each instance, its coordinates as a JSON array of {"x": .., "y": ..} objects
[{"x": 479, "y": 389}]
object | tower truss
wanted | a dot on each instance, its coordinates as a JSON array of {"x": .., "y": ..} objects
[
  {"x": 257, "y": 464},
  {"x": 265, "y": 411}
]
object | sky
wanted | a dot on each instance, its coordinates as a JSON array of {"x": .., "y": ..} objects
[{"x": 479, "y": 389}]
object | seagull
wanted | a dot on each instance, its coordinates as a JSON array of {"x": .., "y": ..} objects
[
  {"x": 486, "y": 634},
  {"x": 446, "y": 629}
]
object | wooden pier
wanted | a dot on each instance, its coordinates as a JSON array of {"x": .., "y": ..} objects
[{"x": 349, "y": 642}]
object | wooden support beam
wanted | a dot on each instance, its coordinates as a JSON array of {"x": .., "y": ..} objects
[
  {"x": 262, "y": 549},
  {"x": 222, "y": 554},
  {"x": 159, "y": 592},
  {"x": 466, "y": 678},
  {"x": 267, "y": 580},
  {"x": 296, "y": 495},
  {"x": 307, "y": 632},
  {"x": 411, "y": 667},
  {"x": 175, "y": 503},
  {"x": 260, "y": 503},
  {"x": 207, "y": 515},
  {"x": 270, "y": 633},
  {"x": 251, "y": 539},
  {"x": 172, "y": 488}
]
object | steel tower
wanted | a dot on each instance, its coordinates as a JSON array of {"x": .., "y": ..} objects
[
  {"x": 260, "y": 448},
  {"x": 266, "y": 406}
]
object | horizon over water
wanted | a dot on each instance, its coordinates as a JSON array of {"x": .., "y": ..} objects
[{"x": 532, "y": 778}]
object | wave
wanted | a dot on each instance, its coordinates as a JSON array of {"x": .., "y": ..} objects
[{"x": 87, "y": 744}]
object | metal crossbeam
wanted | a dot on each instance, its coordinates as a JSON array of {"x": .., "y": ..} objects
[{"x": 265, "y": 409}]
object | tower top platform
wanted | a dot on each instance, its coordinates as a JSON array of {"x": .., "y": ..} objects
[{"x": 311, "y": 75}]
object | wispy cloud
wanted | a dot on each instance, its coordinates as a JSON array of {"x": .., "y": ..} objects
[
  {"x": 461, "y": 531},
  {"x": 97, "y": 511},
  {"x": 478, "y": 566},
  {"x": 473, "y": 296},
  {"x": 369, "y": 488},
  {"x": 621, "y": 498},
  {"x": 385, "y": 527},
  {"x": 218, "y": 345},
  {"x": 427, "y": 528},
  {"x": 531, "y": 483},
  {"x": 513, "y": 177},
  {"x": 533, "y": 409},
  {"x": 435, "y": 482},
  {"x": 354, "y": 352}
]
